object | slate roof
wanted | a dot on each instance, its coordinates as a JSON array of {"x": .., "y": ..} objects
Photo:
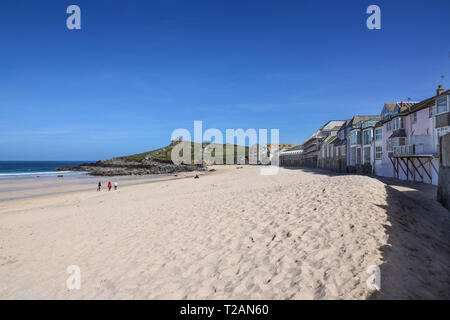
[{"x": 425, "y": 103}]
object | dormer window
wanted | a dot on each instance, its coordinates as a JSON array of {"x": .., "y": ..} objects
[{"x": 397, "y": 123}]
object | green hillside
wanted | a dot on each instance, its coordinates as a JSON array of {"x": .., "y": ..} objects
[{"x": 164, "y": 154}]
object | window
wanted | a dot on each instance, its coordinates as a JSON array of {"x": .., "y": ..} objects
[
  {"x": 397, "y": 123},
  {"x": 352, "y": 156},
  {"x": 358, "y": 155},
  {"x": 414, "y": 117},
  {"x": 389, "y": 126},
  {"x": 442, "y": 131},
  {"x": 367, "y": 136},
  {"x": 354, "y": 137},
  {"x": 337, "y": 151},
  {"x": 367, "y": 155},
  {"x": 441, "y": 105},
  {"x": 395, "y": 142},
  {"x": 378, "y": 152},
  {"x": 378, "y": 134}
]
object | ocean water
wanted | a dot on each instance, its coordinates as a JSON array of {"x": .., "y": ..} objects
[{"x": 33, "y": 168}]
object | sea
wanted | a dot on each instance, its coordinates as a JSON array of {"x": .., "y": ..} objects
[
  {"x": 28, "y": 179},
  {"x": 9, "y": 169}
]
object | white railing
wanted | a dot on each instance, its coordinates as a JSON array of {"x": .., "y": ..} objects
[{"x": 409, "y": 149}]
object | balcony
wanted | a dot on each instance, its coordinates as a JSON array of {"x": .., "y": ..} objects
[
  {"x": 311, "y": 148},
  {"x": 411, "y": 150},
  {"x": 406, "y": 150}
]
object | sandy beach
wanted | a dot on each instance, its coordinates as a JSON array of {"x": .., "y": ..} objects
[
  {"x": 232, "y": 234},
  {"x": 12, "y": 188}
]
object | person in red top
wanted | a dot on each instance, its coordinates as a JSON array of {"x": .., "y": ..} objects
[{"x": 109, "y": 186}]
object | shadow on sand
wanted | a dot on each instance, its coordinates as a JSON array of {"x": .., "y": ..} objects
[
  {"x": 416, "y": 259},
  {"x": 317, "y": 171}
]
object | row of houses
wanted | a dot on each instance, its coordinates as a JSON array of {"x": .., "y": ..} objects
[{"x": 402, "y": 141}]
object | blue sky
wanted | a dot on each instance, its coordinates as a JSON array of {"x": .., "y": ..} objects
[{"x": 137, "y": 70}]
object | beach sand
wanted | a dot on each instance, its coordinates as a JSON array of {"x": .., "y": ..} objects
[
  {"x": 232, "y": 234},
  {"x": 13, "y": 188}
]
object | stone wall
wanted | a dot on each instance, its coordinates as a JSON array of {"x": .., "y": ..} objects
[
  {"x": 337, "y": 164},
  {"x": 291, "y": 162},
  {"x": 443, "y": 192},
  {"x": 297, "y": 161}
]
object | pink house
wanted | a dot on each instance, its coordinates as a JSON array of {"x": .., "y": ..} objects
[{"x": 410, "y": 138}]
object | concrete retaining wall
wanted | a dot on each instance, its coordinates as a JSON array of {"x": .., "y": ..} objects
[
  {"x": 443, "y": 192},
  {"x": 334, "y": 164}
]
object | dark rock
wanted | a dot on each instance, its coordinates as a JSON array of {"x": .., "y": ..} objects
[{"x": 119, "y": 167}]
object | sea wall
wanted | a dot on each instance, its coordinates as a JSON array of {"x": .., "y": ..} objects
[
  {"x": 298, "y": 161},
  {"x": 334, "y": 164},
  {"x": 443, "y": 192}
]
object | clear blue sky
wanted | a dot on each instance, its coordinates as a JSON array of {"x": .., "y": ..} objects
[{"x": 139, "y": 69}]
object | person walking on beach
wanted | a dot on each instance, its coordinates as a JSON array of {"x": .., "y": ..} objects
[
  {"x": 99, "y": 186},
  {"x": 109, "y": 186},
  {"x": 115, "y": 185}
]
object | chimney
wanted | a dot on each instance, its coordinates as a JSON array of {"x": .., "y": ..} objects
[{"x": 440, "y": 90}]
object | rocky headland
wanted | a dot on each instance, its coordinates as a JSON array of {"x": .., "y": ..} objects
[{"x": 120, "y": 167}]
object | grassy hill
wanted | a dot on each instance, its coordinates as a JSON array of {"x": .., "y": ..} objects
[{"x": 164, "y": 154}]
